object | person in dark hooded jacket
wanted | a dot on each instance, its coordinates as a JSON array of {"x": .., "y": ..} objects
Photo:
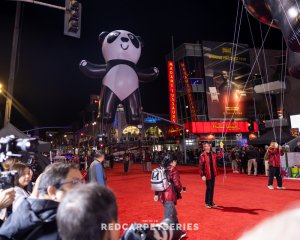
[{"x": 35, "y": 218}]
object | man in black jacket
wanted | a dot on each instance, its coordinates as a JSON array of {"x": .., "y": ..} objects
[
  {"x": 252, "y": 159},
  {"x": 35, "y": 218}
]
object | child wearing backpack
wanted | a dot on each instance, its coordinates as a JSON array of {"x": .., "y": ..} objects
[{"x": 173, "y": 189}]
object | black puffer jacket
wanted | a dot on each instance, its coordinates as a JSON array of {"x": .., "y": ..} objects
[{"x": 33, "y": 219}]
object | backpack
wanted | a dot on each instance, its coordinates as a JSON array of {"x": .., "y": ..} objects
[{"x": 159, "y": 180}]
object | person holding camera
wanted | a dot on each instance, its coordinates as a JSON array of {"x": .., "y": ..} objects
[
  {"x": 208, "y": 172},
  {"x": 170, "y": 196},
  {"x": 274, "y": 153},
  {"x": 22, "y": 179},
  {"x": 35, "y": 217}
]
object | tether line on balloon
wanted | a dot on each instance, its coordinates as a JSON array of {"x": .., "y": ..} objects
[
  {"x": 258, "y": 64},
  {"x": 283, "y": 79},
  {"x": 267, "y": 79},
  {"x": 229, "y": 83},
  {"x": 231, "y": 66},
  {"x": 256, "y": 59}
]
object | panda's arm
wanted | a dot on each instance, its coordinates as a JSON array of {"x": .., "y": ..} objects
[
  {"x": 147, "y": 75},
  {"x": 92, "y": 70}
]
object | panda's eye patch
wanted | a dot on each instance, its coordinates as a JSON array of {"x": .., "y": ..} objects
[
  {"x": 134, "y": 40},
  {"x": 113, "y": 36}
]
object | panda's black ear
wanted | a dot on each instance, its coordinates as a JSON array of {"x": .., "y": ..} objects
[
  {"x": 141, "y": 41},
  {"x": 102, "y": 36}
]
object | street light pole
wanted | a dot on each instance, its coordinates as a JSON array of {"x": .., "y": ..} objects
[
  {"x": 14, "y": 51},
  {"x": 12, "y": 70}
]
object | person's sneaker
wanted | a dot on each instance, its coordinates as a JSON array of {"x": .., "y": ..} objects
[
  {"x": 207, "y": 206},
  {"x": 271, "y": 187},
  {"x": 281, "y": 188},
  {"x": 214, "y": 205},
  {"x": 183, "y": 235}
]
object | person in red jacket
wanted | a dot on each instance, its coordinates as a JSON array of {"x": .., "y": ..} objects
[
  {"x": 170, "y": 196},
  {"x": 274, "y": 153},
  {"x": 208, "y": 172}
]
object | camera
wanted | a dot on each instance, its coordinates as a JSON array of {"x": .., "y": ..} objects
[
  {"x": 7, "y": 179},
  {"x": 11, "y": 146}
]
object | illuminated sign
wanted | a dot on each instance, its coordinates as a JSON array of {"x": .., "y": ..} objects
[
  {"x": 227, "y": 90},
  {"x": 172, "y": 92},
  {"x": 189, "y": 91},
  {"x": 151, "y": 120},
  {"x": 219, "y": 127},
  {"x": 174, "y": 131}
]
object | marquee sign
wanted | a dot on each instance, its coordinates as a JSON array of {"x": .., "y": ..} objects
[
  {"x": 219, "y": 127},
  {"x": 172, "y": 92},
  {"x": 189, "y": 91}
]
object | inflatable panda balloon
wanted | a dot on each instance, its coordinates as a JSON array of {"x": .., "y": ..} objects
[{"x": 121, "y": 51}]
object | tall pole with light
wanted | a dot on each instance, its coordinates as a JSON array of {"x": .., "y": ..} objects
[
  {"x": 72, "y": 28},
  {"x": 12, "y": 69}
]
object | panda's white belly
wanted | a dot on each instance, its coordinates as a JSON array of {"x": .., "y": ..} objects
[{"x": 122, "y": 80}]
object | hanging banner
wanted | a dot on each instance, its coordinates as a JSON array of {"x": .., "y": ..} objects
[
  {"x": 189, "y": 91},
  {"x": 228, "y": 92},
  {"x": 172, "y": 92}
]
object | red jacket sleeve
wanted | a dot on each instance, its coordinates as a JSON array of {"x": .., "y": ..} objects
[
  {"x": 176, "y": 180},
  {"x": 202, "y": 166}
]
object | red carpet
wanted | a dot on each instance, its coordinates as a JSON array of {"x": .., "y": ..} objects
[{"x": 243, "y": 201}]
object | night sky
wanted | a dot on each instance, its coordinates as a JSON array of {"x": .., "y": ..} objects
[{"x": 48, "y": 81}]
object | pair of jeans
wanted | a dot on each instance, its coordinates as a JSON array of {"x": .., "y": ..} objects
[
  {"x": 234, "y": 165},
  {"x": 243, "y": 166},
  {"x": 170, "y": 211},
  {"x": 126, "y": 165},
  {"x": 250, "y": 163},
  {"x": 209, "y": 194},
  {"x": 275, "y": 171},
  {"x": 149, "y": 168},
  {"x": 267, "y": 168}
]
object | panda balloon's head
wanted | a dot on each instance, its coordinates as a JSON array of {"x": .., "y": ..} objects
[{"x": 120, "y": 44}]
